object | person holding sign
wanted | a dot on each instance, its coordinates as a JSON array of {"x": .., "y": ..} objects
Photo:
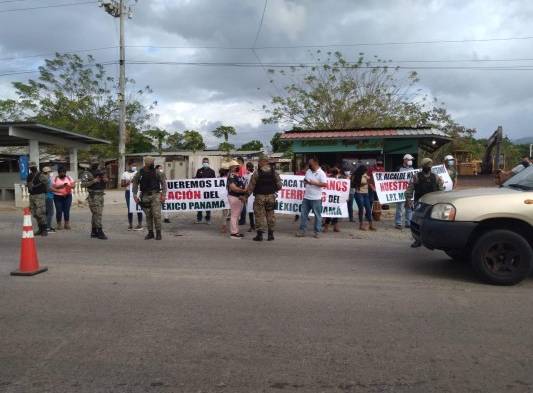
[
  {"x": 125, "y": 182},
  {"x": 407, "y": 166},
  {"x": 236, "y": 197},
  {"x": 205, "y": 172},
  {"x": 264, "y": 184},
  {"x": 153, "y": 187},
  {"x": 422, "y": 183},
  {"x": 315, "y": 179},
  {"x": 361, "y": 181}
]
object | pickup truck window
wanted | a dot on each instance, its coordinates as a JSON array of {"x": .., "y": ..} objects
[{"x": 522, "y": 180}]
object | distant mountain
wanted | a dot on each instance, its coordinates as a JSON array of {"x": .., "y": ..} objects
[{"x": 523, "y": 141}]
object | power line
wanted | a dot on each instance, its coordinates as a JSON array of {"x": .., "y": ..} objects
[
  {"x": 53, "y": 53},
  {"x": 333, "y": 45},
  {"x": 260, "y": 24},
  {"x": 315, "y": 65},
  {"x": 47, "y": 6}
]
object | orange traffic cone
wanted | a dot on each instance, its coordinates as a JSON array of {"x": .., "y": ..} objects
[{"x": 29, "y": 264}]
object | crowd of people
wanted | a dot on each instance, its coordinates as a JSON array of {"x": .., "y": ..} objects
[{"x": 52, "y": 195}]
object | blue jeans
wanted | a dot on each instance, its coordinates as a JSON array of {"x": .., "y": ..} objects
[
  {"x": 400, "y": 207},
  {"x": 63, "y": 207},
  {"x": 363, "y": 205},
  {"x": 350, "y": 206},
  {"x": 130, "y": 215},
  {"x": 49, "y": 212},
  {"x": 315, "y": 206}
]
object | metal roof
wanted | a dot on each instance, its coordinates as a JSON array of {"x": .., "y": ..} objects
[
  {"x": 365, "y": 133},
  {"x": 8, "y": 140}
]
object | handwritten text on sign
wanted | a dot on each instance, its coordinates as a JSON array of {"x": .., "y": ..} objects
[
  {"x": 334, "y": 196},
  {"x": 391, "y": 186}
]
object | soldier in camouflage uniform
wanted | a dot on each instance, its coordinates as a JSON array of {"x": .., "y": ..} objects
[
  {"x": 38, "y": 186},
  {"x": 153, "y": 186},
  {"x": 264, "y": 184},
  {"x": 95, "y": 181}
]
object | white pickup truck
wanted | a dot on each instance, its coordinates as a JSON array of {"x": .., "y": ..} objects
[{"x": 492, "y": 228}]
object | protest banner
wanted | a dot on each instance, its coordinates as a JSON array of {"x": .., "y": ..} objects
[
  {"x": 192, "y": 195},
  {"x": 211, "y": 194},
  {"x": 391, "y": 186},
  {"x": 334, "y": 196}
]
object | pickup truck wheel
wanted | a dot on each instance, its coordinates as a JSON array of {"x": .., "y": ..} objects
[
  {"x": 460, "y": 256},
  {"x": 502, "y": 257}
]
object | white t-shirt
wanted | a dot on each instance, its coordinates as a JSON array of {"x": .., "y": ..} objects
[
  {"x": 128, "y": 176},
  {"x": 313, "y": 192}
]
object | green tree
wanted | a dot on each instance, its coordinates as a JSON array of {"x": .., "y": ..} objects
[
  {"x": 224, "y": 132},
  {"x": 76, "y": 94},
  {"x": 278, "y": 145},
  {"x": 226, "y": 147},
  {"x": 193, "y": 140},
  {"x": 252, "y": 145},
  {"x": 175, "y": 141},
  {"x": 159, "y": 137},
  {"x": 337, "y": 94}
]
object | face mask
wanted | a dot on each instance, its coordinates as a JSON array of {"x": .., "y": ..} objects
[
  {"x": 426, "y": 169},
  {"x": 266, "y": 168},
  {"x": 205, "y": 164},
  {"x": 161, "y": 171},
  {"x": 410, "y": 163},
  {"x": 526, "y": 164},
  {"x": 62, "y": 176},
  {"x": 347, "y": 173},
  {"x": 152, "y": 167},
  {"x": 451, "y": 162},
  {"x": 133, "y": 168}
]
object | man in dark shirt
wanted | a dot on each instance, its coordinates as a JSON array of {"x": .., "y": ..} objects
[{"x": 205, "y": 172}]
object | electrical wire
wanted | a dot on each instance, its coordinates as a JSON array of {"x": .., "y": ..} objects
[{"x": 47, "y": 6}]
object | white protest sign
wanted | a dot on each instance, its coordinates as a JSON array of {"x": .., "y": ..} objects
[
  {"x": 391, "y": 186},
  {"x": 334, "y": 196},
  {"x": 193, "y": 195},
  {"x": 211, "y": 194}
]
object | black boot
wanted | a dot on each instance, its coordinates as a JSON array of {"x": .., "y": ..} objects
[
  {"x": 259, "y": 237},
  {"x": 416, "y": 244},
  {"x": 158, "y": 235},
  {"x": 100, "y": 234},
  {"x": 41, "y": 231},
  {"x": 270, "y": 235},
  {"x": 149, "y": 236},
  {"x": 94, "y": 233}
]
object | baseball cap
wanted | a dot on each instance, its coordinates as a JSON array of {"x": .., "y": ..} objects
[{"x": 408, "y": 157}]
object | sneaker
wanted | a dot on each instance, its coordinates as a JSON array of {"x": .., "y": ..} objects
[
  {"x": 407, "y": 226},
  {"x": 398, "y": 227},
  {"x": 198, "y": 222},
  {"x": 300, "y": 234},
  {"x": 166, "y": 221},
  {"x": 138, "y": 228},
  {"x": 237, "y": 236},
  {"x": 316, "y": 235},
  {"x": 51, "y": 230},
  {"x": 208, "y": 223},
  {"x": 130, "y": 228}
]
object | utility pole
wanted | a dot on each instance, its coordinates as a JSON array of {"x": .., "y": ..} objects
[{"x": 117, "y": 9}]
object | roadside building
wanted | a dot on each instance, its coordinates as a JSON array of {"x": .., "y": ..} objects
[
  {"x": 184, "y": 164},
  {"x": 21, "y": 142},
  {"x": 347, "y": 148}
]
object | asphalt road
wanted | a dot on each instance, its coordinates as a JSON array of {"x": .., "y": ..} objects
[{"x": 199, "y": 312}]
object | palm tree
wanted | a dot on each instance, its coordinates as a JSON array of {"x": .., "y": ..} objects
[{"x": 225, "y": 132}]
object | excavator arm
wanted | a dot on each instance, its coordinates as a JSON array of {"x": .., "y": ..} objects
[{"x": 493, "y": 142}]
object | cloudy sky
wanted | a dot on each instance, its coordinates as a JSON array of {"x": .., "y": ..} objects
[{"x": 447, "y": 41}]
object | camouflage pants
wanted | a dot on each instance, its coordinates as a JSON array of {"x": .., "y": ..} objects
[
  {"x": 96, "y": 205},
  {"x": 264, "y": 206},
  {"x": 152, "y": 210},
  {"x": 38, "y": 208}
]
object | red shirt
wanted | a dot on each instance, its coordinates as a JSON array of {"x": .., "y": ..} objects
[{"x": 375, "y": 168}]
